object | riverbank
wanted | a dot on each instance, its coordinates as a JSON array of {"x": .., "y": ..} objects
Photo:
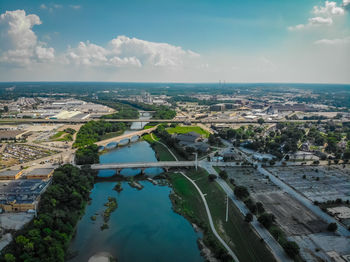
[{"x": 236, "y": 232}]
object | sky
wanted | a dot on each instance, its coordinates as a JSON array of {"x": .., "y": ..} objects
[{"x": 294, "y": 41}]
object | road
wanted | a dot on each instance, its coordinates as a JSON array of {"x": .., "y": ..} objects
[
  {"x": 204, "y": 121},
  {"x": 272, "y": 244}
]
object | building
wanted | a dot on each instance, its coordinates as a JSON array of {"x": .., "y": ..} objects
[
  {"x": 217, "y": 107},
  {"x": 40, "y": 173},
  {"x": 10, "y": 174},
  {"x": 188, "y": 138},
  {"x": 11, "y": 134},
  {"x": 14, "y": 206},
  {"x": 21, "y": 195}
]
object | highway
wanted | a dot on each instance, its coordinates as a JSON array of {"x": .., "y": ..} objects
[{"x": 4, "y": 121}]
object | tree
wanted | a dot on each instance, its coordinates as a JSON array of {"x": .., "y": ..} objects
[
  {"x": 291, "y": 248},
  {"x": 332, "y": 227},
  {"x": 6, "y": 108},
  {"x": 10, "y": 258},
  {"x": 260, "y": 207},
  {"x": 241, "y": 192},
  {"x": 248, "y": 217},
  {"x": 261, "y": 121},
  {"x": 266, "y": 219},
  {"x": 223, "y": 174},
  {"x": 212, "y": 177}
]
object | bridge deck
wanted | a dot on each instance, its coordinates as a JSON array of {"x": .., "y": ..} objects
[{"x": 144, "y": 165}]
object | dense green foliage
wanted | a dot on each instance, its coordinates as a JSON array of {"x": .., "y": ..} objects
[
  {"x": 161, "y": 112},
  {"x": 87, "y": 155},
  {"x": 92, "y": 132},
  {"x": 47, "y": 237}
]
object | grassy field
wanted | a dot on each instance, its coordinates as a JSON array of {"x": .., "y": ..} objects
[
  {"x": 236, "y": 232},
  {"x": 162, "y": 153},
  {"x": 57, "y": 135},
  {"x": 187, "y": 129}
]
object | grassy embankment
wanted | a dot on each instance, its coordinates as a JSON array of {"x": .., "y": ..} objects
[
  {"x": 186, "y": 129},
  {"x": 237, "y": 233},
  {"x": 162, "y": 153}
]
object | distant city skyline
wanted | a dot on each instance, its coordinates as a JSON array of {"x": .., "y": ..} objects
[{"x": 175, "y": 41}]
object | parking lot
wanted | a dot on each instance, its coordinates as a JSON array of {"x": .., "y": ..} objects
[{"x": 317, "y": 183}]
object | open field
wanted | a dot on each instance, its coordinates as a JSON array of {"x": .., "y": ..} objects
[
  {"x": 293, "y": 217},
  {"x": 186, "y": 129}
]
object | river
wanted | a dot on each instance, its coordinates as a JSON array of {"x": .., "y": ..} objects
[{"x": 143, "y": 227}]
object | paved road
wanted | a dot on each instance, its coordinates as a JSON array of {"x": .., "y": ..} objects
[
  {"x": 204, "y": 121},
  {"x": 232, "y": 254},
  {"x": 272, "y": 244}
]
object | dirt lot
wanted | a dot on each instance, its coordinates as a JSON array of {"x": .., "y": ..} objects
[
  {"x": 250, "y": 178},
  {"x": 320, "y": 183},
  {"x": 294, "y": 218}
]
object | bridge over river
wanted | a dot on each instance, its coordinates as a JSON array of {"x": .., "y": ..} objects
[
  {"x": 143, "y": 165},
  {"x": 128, "y": 136}
]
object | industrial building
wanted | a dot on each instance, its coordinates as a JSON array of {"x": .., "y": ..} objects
[
  {"x": 21, "y": 195},
  {"x": 40, "y": 173},
  {"x": 10, "y": 174}
]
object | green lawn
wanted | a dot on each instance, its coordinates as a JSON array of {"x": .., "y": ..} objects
[
  {"x": 57, "y": 135},
  {"x": 162, "y": 152},
  {"x": 236, "y": 232},
  {"x": 187, "y": 129}
]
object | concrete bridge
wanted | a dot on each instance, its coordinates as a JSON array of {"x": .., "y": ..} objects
[
  {"x": 128, "y": 136},
  {"x": 143, "y": 165},
  {"x": 143, "y": 113}
]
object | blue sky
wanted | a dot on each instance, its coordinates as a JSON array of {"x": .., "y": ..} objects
[{"x": 196, "y": 41}]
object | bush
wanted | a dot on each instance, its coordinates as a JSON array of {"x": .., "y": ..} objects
[
  {"x": 241, "y": 192},
  {"x": 291, "y": 248},
  {"x": 212, "y": 177},
  {"x": 332, "y": 227},
  {"x": 266, "y": 219},
  {"x": 248, "y": 217},
  {"x": 223, "y": 174}
]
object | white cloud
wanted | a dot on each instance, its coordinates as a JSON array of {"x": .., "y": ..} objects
[
  {"x": 329, "y": 9},
  {"x": 346, "y": 3},
  {"x": 125, "y": 51},
  {"x": 19, "y": 44},
  {"x": 76, "y": 7},
  {"x": 332, "y": 42},
  {"x": 43, "y": 6},
  {"x": 323, "y": 16}
]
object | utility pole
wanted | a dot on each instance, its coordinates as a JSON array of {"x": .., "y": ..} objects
[
  {"x": 196, "y": 160},
  {"x": 226, "y": 207}
]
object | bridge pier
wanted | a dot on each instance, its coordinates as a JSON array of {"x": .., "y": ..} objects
[
  {"x": 117, "y": 171},
  {"x": 142, "y": 172}
]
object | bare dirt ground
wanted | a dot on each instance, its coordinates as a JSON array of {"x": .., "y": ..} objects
[{"x": 293, "y": 217}]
